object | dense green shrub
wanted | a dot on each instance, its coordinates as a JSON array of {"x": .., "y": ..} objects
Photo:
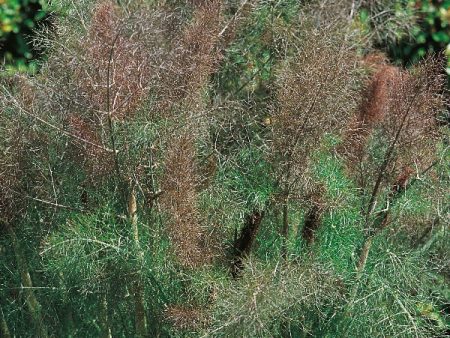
[
  {"x": 430, "y": 34},
  {"x": 18, "y": 19},
  {"x": 170, "y": 171}
]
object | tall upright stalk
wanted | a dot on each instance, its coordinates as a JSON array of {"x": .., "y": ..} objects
[
  {"x": 108, "y": 106},
  {"x": 138, "y": 289},
  {"x": 4, "y": 329},
  {"x": 34, "y": 307},
  {"x": 104, "y": 318},
  {"x": 285, "y": 227},
  {"x": 388, "y": 156}
]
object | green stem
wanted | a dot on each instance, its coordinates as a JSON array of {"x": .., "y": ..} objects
[
  {"x": 139, "y": 294},
  {"x": 4, "y": 329},
  {"x": 104, "y": 318},
  {"x": 34, "y": 307},
  {"x": 285, "y": 228}
]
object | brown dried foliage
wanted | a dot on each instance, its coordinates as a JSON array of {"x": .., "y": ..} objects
[
  {"x": 373, "y": 106},
  {"x": 399, "y": 110},
  {"x": 96, "y": 161},
  {"x": 194, "y": 57},
  {"x": 184, "y": 318},
  {"x": 179, "y": 185},
  {"x": 114, "y": 51},
  {"x": 317, "y": 91}
]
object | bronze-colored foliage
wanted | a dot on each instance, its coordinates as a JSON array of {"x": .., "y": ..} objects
[
  {"x": 17, "y": 144},
  {"x": 411, "y": 128},
  {"x": 119, "y": 131},
  {"x": 119, "y": 67},
  {"x": 405, "y": 137},
  {"x": 96, "y": 160},
  {"x": 107, "y": 81},
  {"x": 372, "y": 108},
  {"x": 184, "y": 318},
  {"x": 194, "y": 57},
  {"x": 401, "y": 182},
  {"x": 317, "y": 94},
  {"x": 179, "y": 186},
  {"x": 414, "y": 103},
  {"x": 399, "y": 109}
]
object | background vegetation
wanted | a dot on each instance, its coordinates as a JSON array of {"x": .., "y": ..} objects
[
  {"x": 18, "y": 19},
  {"x": 430, "y": 32},
  {"x": 225, "y": 168}
]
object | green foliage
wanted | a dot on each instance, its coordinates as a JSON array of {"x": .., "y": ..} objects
[
  {"x": 223, "y": 169},
  {"x": 249, "y": 60},
  {"x": 393, "y": 297},
  {"x": 340, "y": 231},
  {"x": 389, "y": 21},
  {"x": 431, "y": 34},
  {"x": 249, "y": 178},
  {"x": 274, "y": 300}
]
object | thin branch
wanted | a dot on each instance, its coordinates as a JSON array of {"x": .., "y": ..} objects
[
  {"x": 57, "y": 205},
  {"x": 108, "y": 108},
  {"x": 233, "y": 19},
  {"x": 386, "y": 161},
  {"x": 62, "y": 131},
  {"x": 89, "y": 240},
  {"x": 381, "y": 221},
  {"x": 407, "y": 313}
]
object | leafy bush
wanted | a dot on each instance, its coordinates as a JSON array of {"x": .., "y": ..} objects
[
  {"x": 169, "y": 171},
  {"x": 430, "y": 34}
]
